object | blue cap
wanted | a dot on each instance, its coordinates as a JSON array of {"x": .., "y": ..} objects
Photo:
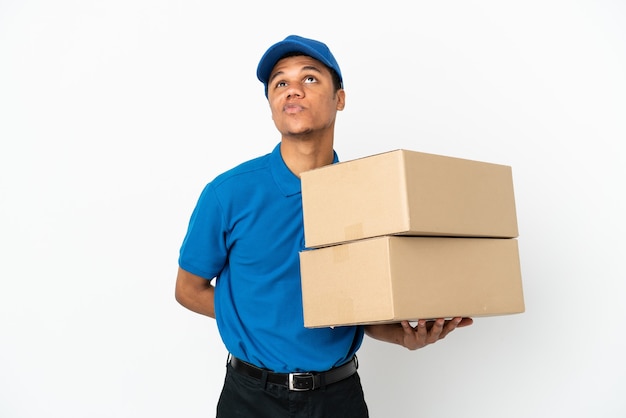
[{"x": 293, "y": 43}]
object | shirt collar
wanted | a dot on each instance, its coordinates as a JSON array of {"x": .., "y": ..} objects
[{"x": 287, "y": 182}]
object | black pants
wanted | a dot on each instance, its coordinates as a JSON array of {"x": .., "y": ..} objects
[{"x": 244, "y": 396}]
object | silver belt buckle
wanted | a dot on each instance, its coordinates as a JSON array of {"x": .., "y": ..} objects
[{"x": 294, "y": 376}]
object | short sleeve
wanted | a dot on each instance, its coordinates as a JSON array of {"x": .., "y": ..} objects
[{"x": 204, "y": 251}]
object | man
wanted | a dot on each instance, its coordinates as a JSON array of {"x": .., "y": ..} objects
[{"x": 246, "y": 231}]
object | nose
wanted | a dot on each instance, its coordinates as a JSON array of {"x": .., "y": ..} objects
[{"x": 294, "y": 91}]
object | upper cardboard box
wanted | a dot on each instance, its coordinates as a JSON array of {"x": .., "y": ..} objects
[{"x": 405, "y": 192}]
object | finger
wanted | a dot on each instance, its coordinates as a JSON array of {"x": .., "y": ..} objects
[
  {"x": 450, "y": 326},
  {"x": 423, "y": 328},
  {"x": 465, "y": 322},
  {"x": 406, "y": 326},
  {"x": 454, "y": 322},
  {"x": 436, "y": 330}
]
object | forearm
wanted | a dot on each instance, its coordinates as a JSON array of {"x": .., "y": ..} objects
[
  {"x": 390, "y": 333},
  {"x": 195, "y": 293}
]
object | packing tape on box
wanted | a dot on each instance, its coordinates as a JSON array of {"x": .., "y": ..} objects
[{"x": 340, "y": 253}]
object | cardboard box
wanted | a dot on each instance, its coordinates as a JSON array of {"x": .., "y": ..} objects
[
  {"x": 407, "y": 193},
  {"x": 393, "y": 278}
]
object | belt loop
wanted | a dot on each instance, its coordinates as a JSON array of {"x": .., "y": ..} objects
[
  {"x": 264, "y": 380},
  {"x": 323, "y": 382},
  {"x": 228, "y": 357}
]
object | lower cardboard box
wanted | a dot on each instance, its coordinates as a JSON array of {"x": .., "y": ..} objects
[{"x": 394, "y": 278}]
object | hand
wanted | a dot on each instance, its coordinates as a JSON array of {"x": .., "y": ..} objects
[{"x": 429, "y": 332}]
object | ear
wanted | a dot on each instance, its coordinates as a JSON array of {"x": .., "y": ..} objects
[{"x": 341, "y": 99}]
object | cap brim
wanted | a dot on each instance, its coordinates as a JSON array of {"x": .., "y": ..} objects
[{"x": 276, "y": 52}]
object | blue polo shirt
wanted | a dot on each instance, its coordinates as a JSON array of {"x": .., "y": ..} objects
[{"x": 247, "y": 231}]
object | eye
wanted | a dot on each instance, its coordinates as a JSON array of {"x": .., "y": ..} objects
[
  {"x": 281, "y": 84},
  {"x": 310, "y": 79}
]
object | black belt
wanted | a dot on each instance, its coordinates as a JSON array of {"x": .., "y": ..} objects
[{"x": 298, "y": 381}]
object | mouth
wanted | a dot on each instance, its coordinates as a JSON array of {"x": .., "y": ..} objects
[{"x": 292, "y": 108}]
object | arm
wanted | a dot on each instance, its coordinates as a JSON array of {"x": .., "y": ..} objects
[
  {"x": 423, "y": 334},
  {"x": 195, "y": 293}
]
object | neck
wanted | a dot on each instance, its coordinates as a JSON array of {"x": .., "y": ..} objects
[{"x": 303, "y": 155}]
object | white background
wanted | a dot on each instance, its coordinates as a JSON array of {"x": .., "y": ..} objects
[{"x": 114, "y": 114}]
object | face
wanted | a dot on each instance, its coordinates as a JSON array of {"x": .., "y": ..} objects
[{"x": 302, "y": 97}]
